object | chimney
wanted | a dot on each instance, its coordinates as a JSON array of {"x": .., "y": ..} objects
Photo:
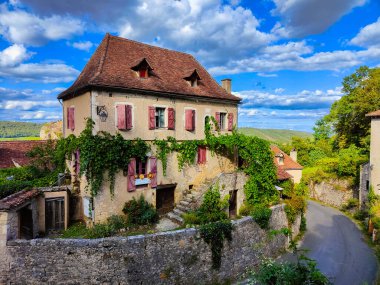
[
  {"x": 293, "y": 154},
  {"x": 226, "y": 84}
]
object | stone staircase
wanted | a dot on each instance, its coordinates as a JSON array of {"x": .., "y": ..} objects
[{"x": 190, "y": 201}]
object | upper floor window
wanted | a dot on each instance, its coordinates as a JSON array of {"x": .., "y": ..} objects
[
  {"x": 160, "y": 117},
  {"x": 193, "y": 78},
  {"x": 222, "y": 121},
  {"x": 141, "y": 166},
  {"x": 143, "y": 68},
  {"x": 124, "y": 117},
  {"x": 225, "y": 121},
  {"x": 190, "y": 120}
]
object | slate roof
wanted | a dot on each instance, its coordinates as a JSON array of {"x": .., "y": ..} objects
[
  {"x": 111, "y": 67},
  {"x": 289, "y": 163},
  {"x": 15, "y": 151},
  {"x": 17, "y": 199},
  {"x": 373, "y": 114}
]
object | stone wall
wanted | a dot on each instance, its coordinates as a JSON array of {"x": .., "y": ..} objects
[
  {"x": 334, "y": 192},
  {"x": 177, "y": 257}
]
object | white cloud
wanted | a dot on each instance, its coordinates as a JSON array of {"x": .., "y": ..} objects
[
  {"x": 263, "y": 74},
  {"x": 27, "y": 105},
  {"x": 86, "y": 45},
  {"x": 40, "y": 115},
  {"x": 21, "y": 27},
  {"x": 369, "y": 36},
  {"x": 279, "y": 90},
  {"x": 300, "y": 18},
  {"x": 13, "y": 55}
]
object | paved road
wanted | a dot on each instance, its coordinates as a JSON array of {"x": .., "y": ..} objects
[{"x": 337, "y": 245}]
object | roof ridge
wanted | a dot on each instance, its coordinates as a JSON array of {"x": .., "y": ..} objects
[
  {"x": 102, "y": 59},
  {"x": 150, "y": 45}
]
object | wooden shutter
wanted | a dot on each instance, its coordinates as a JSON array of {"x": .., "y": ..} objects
[
  {"x": 153, "y": 170},
  {"x": 121, "y": 117},
  {"x": 171, "y": 119},
  {"x": 77, "y": 161},
  {"x": 217, "y": 118},
  {"x": 131, "y": 184},
  {"x": 128, "y": 117},
  {"x": 71, "y": 118},
  {"x": 190, "y": 120},
  {"x": 201, "y": 154},
  {"x": 230, "y": 121},
  {"x": 68, "y": 118},
  {"x": 151, "y": 118}
]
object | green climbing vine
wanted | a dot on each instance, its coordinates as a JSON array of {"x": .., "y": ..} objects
[
  {"x": 101, "y": 153},
  {"x": 255, "y": 158}
]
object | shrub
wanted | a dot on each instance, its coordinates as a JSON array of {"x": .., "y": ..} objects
[
  {"x": 10, "y": 187},
  {"x": 191, "y": 218},
  {"x": 361, "y": 215},
  {"x": 116, "y": 223},
  {"x": 261, "y": 214},
  {"x": 351, "y": 203},
  {"x": 303, "y": 226},
  {"x": 294, "y": 206},
  {"x": 245, "y": 209},
  {"x": 140, "y": 212}
]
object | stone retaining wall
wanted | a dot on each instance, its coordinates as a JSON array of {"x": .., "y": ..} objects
[
  {"x": 177, "y": 257},
  {"x": 334, "y": 192}
]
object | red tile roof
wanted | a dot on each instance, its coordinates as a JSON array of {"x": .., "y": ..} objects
[
  {"x": 289, "y": 163},
  {"x": 18, "y": 199},
  {"x": 110, "y": 67},
  {"x": 16, "y": 151},
  {"x": 373, "y": 114}
]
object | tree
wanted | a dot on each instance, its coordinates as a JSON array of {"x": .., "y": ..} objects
[
  {"x": 347, "y": 116},
  {"x": 322, "y": 130}
]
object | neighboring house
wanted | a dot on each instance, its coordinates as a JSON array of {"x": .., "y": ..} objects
[
  {"x": 373, "y": 168},
  {"x": 287, "y": 165},
  {"x": 13, "y": 153},
  {"x": 147, "y": 92}
]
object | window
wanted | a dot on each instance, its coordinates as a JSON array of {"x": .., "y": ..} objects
[
  {"x": 143, "y": 68},
  {"x": 193, "y": 78},
  {"x": 140, "y": 167},
  {"x": 124, "y": 117},
  {"x": 143, "y": 73},
  {"x": 190, "y": 120},
  {"x": 202, "y": 154},
  {"x": 160, "y": 117},
  {"x": 222, "y": 121}
]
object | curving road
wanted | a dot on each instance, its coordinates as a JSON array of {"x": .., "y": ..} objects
[{"x": 337, "y": 245}]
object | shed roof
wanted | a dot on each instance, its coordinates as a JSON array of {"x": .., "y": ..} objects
[
  {"x": 110, "y": 67},
  {"x": 18, "y": 199},
  {"x": 373, "y": 114}
]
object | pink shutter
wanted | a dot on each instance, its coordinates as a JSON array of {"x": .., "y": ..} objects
[
  {"x": 230, "y": 121},
  {"x": 153, "y": 170},
  {"x": 68, "y": 115},
  {"x": 201, "y": 154},
  {"x": 151, "y": 118},
  {"x": 71, "y": 118},
  {"x": 121, "y": 122},
  {"x": 128, "y": 117},
  {"x": 217, "y": 118},
  {"x": 171, "y": 119},
  {"x": 131, "y": 185},
  {"x": 190, "y": 120},
  {"x": 77, "y": 161}
]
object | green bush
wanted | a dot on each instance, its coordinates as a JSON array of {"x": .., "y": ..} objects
[
  {"x": 245, "y": 209},
  {"x": 191, "y": 218},
  {"x": 12, "y": 186},
  {"x": 140, "y": 212},
  {"x": 294, "y": 206},
  {"x": 261, "y": 215},
  {"x": 351, "y": 203},
  {"x": 361, "y": 215},
  {"x": 116, "y": 222},
  {"x": 302, "y": 272},
  {"x": 303, "y": 226}
]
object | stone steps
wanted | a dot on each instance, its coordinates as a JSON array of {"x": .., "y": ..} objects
[{"x": 175, "y": 218}]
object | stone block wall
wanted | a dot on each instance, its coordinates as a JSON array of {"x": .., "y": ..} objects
[
  {"x": 334, "y": 192},
  {"x": 177, "y": 257}
]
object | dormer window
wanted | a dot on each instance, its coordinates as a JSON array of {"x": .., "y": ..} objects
[
  {"x": 280, "y": 158},
  {"x": 193, "y": 78},
  {"x": 143, "y": 68}
]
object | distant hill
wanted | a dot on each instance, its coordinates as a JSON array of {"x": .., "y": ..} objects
[
  {"x": 19, "y": 129},
  {"x": 273, "y": 135}
]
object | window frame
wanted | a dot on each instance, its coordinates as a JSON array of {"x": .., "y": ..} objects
[
  {"x": 222, "y": 121},
  {"x": 157, "y": 117}
]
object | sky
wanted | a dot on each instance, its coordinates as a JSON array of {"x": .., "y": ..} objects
[{"x": 286, "y": 58}]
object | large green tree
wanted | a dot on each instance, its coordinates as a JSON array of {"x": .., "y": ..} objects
[{"x": 347, "y": 116}]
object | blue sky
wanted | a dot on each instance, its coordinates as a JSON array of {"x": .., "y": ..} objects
[{"x": 286, "y": 58}]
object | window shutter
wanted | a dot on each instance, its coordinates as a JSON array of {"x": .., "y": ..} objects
[
  {"x": 201, "y": 154},
  {"x": 217, "y": 118},
  {"x": 71, "y": 118},
  {"x": 68, "y": 115},
  {"x": 131, "y": 185},
  {"x": 121, "y": 122},
  {"x": 171, "y": 119},
  {"x": 77, "y": 162},
  {"x": 230, "y": 121},
  {"x": 151, "y": 118},
  {"x": 128, "y": 117},
  {"x": 190, "y": 120},
  {"x": 153, "y": 170}
]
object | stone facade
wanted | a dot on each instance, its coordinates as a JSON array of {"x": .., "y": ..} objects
[
  {"x": 365, "y": 178},
  {"x": 334, "y": 192},
  {"x": 178, "y": 257}
]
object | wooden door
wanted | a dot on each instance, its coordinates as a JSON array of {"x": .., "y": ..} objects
[
  {"x": 233, "y": 204},
  {"x": 54, "y": 214},
  {"x": 165, "y": 200}
]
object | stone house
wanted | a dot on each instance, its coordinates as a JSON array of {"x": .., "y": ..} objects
[
  {"x": 287, "y": 165},
  {"x": 147, "y": 92}
]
